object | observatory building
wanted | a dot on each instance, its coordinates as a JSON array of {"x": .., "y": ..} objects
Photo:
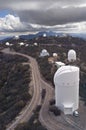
[
  {"x": 59, "y": 64},
  {"x": 44, "y": 53},
  {"x": 44, "y": 35},
  {"x": 71, "y": 55},
  {"x": 55, "y": 54},
  {"x": 21, "y": 44},
  {"x": 7, "y": 44},
  {"x": 66, "y": 80},
  {"x": 35, "y": 44},
  {"x": 16, "y": 37}
]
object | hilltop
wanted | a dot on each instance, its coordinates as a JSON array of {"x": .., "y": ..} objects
[{"x": 53, "y": 44}]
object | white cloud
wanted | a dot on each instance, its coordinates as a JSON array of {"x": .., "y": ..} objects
[
  {"x": 77, "y": 27},
  {"x": 75, "y": 6},
  {"x": 11, "y": 23},
  {"x": 39, "y": 15}
]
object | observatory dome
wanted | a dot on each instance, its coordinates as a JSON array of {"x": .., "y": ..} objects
[
  {"x": 7, "y": 43},
  {"x": 21, "y": 43},
  {"x": 16, "y": 37},
  {"x": 66, "y": 80},
  {"x": 26, "y": 45},
  {"x": 44, "y": 52},
  {"x": 71, "y": 55},
  {"x": 44, "y": 35},
  {"x": 55, "y": 55},
  {"x": 35, "y": 44}
]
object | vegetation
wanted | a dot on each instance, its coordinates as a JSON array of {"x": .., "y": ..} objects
[
  {"x": 83, "y": 86},
  {"x": 45, "y": 68},
  {"x": 55, "y": 110},
  {"x": 52, "y": 102},
  {"x": 33, "y": 123},
  {"x": 14, "y": 80}
]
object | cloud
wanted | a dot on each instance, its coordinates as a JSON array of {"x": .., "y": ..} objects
[
  {"x": 11, "y": 23},
  {"x": 78, "y": 27},
  {"x": 33, "y": 15},
  {"x": 54, "y": 16}
]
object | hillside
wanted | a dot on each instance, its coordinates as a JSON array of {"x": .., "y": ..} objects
[
  {"x": 13, "y": 87},
  {"x": 9, "y": 88}
]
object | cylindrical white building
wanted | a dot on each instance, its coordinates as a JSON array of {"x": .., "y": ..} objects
[
  {"x": 71, "y": 55},
  {"x": 66, "y": 80}
]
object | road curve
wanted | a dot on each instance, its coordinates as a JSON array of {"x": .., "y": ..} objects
[{"x": 27, "y": 112}]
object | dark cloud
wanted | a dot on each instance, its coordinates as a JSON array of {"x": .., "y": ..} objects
[
  {"x": 48, "y": 13},
  {"x": 54, "y": 16}
]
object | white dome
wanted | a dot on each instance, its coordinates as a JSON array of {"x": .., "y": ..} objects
[
  {"x": 66, "y": 80},
  {"x": 16, "y": 37},
  {"x": 11, "y": 44},
  {"x": 35, "y": 44},
  {"x": 71, "y": 55},
  {"x": 44, "y": 35},
  {"x": 26, "y": 45},
  {"x": 21, "y": 43},
  {"x": 55, "y": 55},
  {"x": 7, "y": 43},
  {"x": 44, "y": 52}
]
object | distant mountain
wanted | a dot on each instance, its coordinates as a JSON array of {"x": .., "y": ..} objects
[
  {"x": 31, "y": 36},
  {"x": 51, "y": 33},
  {"x": 79, "y": 35},
  {"x": 27, "y": 37},
  {"x": 48, "y": 33},
  {"x": 5, "y": 39}
]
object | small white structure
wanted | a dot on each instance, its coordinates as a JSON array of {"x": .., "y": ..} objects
[
  {"x": 71, "y": 55},
  {"x": 7, "y": 44},
  {"x": 11, "y": 44},
  {"x": 56, "y": 35},
  {"x": 26, "y": 45},
  {"x": 66, "y": 80},
  {"x": 21, "y": 44},
  {"x": 16, "y": 37},
  {"x": 63, "y": 35},
  {"x": 55, "y": 55},
  {"x": 59, "y": 64},
  {"x": 35, "y": 44},
  {"x": 44, "y": 35},
  {"x": 44, "y": 53}
]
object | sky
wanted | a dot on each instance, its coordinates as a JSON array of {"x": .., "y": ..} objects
[{"x": 29, "y": 16}]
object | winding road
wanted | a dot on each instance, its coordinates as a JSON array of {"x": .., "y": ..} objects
[
  {"x": 27, "y": 112},
  {"x": 46, "y": 118}
]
